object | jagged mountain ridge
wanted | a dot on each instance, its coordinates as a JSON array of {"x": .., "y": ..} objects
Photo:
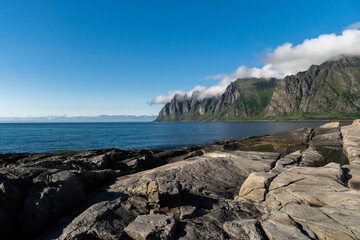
[
  {"x": 327, "y": 91},
  {"x": 243, "y": 98}
]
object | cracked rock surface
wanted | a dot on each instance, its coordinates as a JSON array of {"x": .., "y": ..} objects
[{"x": 298, "y": 184}]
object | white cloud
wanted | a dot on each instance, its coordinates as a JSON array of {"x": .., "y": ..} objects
[
  {"x": 354, "y": 26},
  {"x": 215, "y": 77},
  {"x": 284, "y": 60},
  {"x": 167, "y": 98}
]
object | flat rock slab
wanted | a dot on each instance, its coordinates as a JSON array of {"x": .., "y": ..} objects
[
  {"x": 152, "y": 226},
  {"x": 198, "y": 176}
]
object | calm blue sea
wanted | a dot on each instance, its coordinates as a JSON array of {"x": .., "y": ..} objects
[{"x": 45, "y": 137}]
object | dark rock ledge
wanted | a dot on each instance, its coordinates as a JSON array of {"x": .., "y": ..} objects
[{"x": 298, "y": 184}]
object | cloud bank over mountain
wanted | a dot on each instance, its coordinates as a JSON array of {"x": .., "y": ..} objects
[{"x": 284, "y": 60}]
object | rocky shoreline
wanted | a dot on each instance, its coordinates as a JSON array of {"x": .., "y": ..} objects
[{"x": 299, "y": 184}]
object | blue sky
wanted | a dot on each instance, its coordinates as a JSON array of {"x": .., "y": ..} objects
[{"x": 113, "y": 57}]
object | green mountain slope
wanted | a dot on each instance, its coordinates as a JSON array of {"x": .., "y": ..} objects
[{"x": 328, "y": 91}]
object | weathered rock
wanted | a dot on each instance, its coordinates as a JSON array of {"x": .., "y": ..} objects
[
  {"x": 256, "y": 186},
  {"x": 352, "y": 174},
  {"x": 318, "y": 200},
  {"x": 168, "y": 183},
  {"x": 311, "y": 158},
  {"x": 152, "y": 226},
  {"x": 106, "y": 219},
  {"x": 351, "y": 142},
  {"x": 93, "y": 179},
  {"x": 280, "y": 226},
  {"x": 295, "y": 136},
  {"x": 289, "y": 161},
  {"x": 244, "y": 229},
  {"x": 330, "y": 125},
  {"x": 52, "y": 195},
  {"x": 329, "y": 222},
  {"x": 327, "y": 137},
  {"x": 314, "y": 186},
  {"x": 187, "y": 212},
  {"x": 210, "y": 224},
  {"x": 11, "y": 200},
  {"x": 195, "y": 154}
]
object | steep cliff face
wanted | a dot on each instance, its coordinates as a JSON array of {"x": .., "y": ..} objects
[
  {"x": 244, "y": 98},
  {"x": 329, "y": 90}
]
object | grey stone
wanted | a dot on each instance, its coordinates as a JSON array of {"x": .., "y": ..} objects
[
  {"x": 329, "y": 137},
  {"x": 275, "y": 230},
  {"x": 310, "y": 158},
  {"x": 244, "y": 229},
  {"x": 102, "y": 220},
  {"x": 289, "y": 161},
  {"x": 328, "y": 222},
  {"x": 187, "y": 212},
  {"x": 330, "y": 125},
  {"x": 256, "y": 186},
  {"x": 197, "y": 177},
  {"x": 352, "y": 174},
  {"x": 152, "y": 226},
  {"x": 52, "y": 195},
  {"x": 278, "y": 225},
  {"x": 351, "y": 142}
]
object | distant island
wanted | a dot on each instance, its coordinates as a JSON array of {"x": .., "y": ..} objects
[
  {"x": 100, "y": 118},
  {"x": 327, "y": 91}
]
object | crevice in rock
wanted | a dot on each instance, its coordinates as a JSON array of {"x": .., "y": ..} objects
[
  {"x": 300, "y": 227},
  {"x": 288, "y": 184},
  {"x": 347, "y": 176},
  {"x": 310, "y": 136}
]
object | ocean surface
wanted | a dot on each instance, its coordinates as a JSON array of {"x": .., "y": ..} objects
[{"x": 46, "y": 137}]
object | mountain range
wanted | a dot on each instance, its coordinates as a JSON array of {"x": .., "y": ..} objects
[{"x": 327, "y": 91}]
